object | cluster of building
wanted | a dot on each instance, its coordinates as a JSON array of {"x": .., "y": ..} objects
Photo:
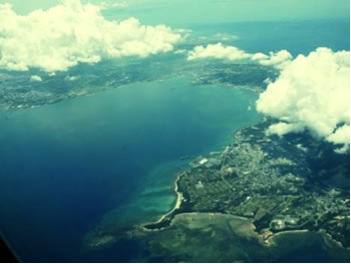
[{"x": 270, "y": 180}]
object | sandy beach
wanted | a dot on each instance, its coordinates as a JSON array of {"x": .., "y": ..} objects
[{"x": 176, "y": 206}]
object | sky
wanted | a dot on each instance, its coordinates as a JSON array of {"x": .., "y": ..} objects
[{"x": 211, "y": 11}]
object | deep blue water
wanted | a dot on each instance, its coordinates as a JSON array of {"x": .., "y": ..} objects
[{"x": 65, "y": 165}]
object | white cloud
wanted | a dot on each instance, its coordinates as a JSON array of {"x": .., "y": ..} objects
[
  {"x": 283, "y": 128},
  {"x": 72, "y": 32},
  {"x": 35, "y": 78},
  {"x": 278, "y": 59},
  {"x": 71, "y": 78},
  {"x": 312, "y": 92},
  {"x": 180, "y": 51},
  {"x": 226, "y": 37},
  {"x": 259, "y": 56},
  {"x": 114, "y": 4},
  {"x": 341, "y": 136},
  {"x": 217, "y": 51}
]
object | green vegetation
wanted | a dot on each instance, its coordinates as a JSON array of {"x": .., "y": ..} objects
[{"x": 270, "y": 181}]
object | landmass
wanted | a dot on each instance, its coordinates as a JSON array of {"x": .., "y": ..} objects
[
  {"x": 259, "y": 194},
  {"x": 18, "y": 92},
  {"x": 280, "y": 183}
]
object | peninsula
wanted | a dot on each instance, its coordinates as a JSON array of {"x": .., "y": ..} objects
[{"x": 280, "y": 184}]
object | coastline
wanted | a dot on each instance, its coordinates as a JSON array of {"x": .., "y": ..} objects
[
  {"x": 177, "y": 205},
  {"x": 184, "y": 202},
  {"x": 269, "y": 242}
]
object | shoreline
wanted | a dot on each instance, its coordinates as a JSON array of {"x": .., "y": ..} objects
[
  {"x": 182, "y": 206},
  {"x": 177, "y": 205},
  {"x": 267, "y": 242}
]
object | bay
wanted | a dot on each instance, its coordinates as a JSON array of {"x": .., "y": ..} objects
[{"x": 66, "y": 165}]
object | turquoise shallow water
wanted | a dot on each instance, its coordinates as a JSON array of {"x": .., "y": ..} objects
[{"x": 112, "y": 155}]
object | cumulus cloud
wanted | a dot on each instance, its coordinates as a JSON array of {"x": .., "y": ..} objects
[
  {"x": 226, "y": 37},
  {"x": 71, "y": 78},
  {"x": 341, "y": 136},
  {"x": 115, "y": 4},
  {"x": 278, "y": 59},
  {"x": 217, "y": 51},
  {"x": 72, "y": 33},
  {"x": 180, "y": 51},
  {"x": 35, "y": 78},
  {"x": 282, "y": 128},
  {"x": 313, "y": 93}
]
